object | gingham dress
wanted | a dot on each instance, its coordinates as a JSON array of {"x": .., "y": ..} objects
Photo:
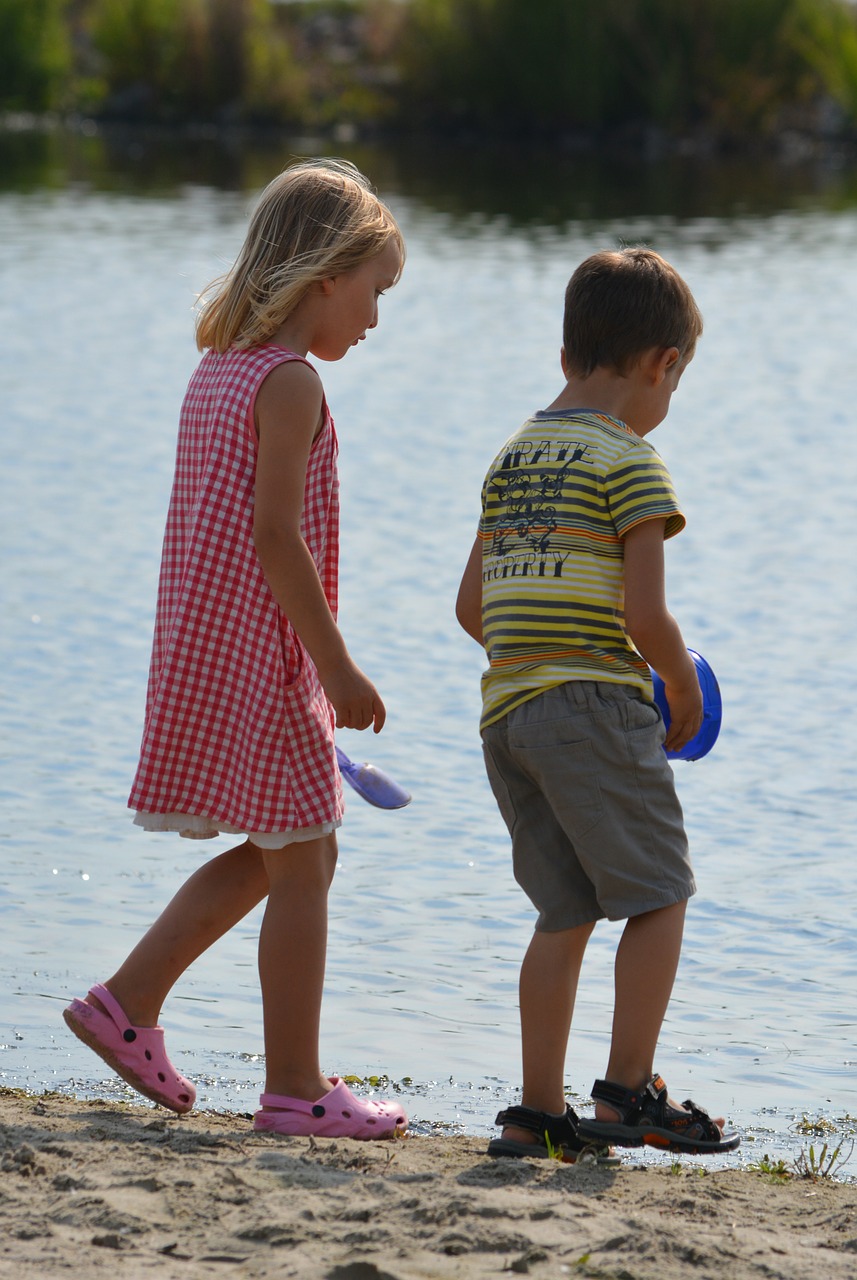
[{"x": 238, "y": 729}]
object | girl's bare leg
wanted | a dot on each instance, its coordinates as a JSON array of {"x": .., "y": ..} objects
[
  {"x": 292, "y": 953},
  {"x": 207, "y": 905}
]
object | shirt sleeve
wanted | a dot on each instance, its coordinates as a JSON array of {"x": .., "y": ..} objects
[{"x": 638, "y": 488}]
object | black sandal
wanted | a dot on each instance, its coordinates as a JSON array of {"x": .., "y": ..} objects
[
  {"x": 560, "y": 1131},
  {"x": 646, "y": 1118}
]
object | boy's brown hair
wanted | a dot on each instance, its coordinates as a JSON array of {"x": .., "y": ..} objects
[{"x": 621, "y": 303}]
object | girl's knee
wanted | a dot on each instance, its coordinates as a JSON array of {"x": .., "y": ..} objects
[{"x": 304, "y": 862}]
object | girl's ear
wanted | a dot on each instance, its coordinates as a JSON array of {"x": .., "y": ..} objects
[{"x": 324, "y": 287}]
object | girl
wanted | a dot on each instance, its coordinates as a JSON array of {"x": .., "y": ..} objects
[{"x": 249, "y": 671}]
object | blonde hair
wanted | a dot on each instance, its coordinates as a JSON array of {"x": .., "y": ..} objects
[
  {"x": 317, "y": 219},
  {"x": 621, "y": 303}
]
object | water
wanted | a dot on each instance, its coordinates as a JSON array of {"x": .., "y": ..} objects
[{"x": 101, "y": 252}]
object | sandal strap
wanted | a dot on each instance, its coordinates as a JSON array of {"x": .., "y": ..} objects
[
  {"x": 560, "y": 1129},
  {"x": 651, "y": 1103},
  {"x": 282, "y": 1103},
  {"x": 340, "y": 1100},
  {"x": 700, "y": 1116},
  {"x": 115, "y": 1011},
  {"x": 632, "y": 1104}
]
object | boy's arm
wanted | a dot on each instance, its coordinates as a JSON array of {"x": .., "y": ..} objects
[
  {"x": 468, "y": 606},
  {"x": 655, "y": 632}
]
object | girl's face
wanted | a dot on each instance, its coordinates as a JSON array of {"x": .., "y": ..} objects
[{"x": 350, "y": 306}]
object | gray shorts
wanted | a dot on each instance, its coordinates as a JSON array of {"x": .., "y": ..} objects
[{"x": 588, "y": 795}]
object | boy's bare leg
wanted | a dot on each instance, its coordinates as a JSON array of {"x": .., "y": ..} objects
[
  {"x": 646, "y": 964},
  {"x": 207, "y": 905},
  {"x": 548, "y": 986},
  {"x": 292, "y": 953}
]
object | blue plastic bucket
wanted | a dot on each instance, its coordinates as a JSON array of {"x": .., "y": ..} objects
[{"x": 712, "y": 710}]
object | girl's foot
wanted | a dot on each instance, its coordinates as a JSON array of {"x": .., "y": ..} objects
[
  {"x": 336, "y": 1113},
  {"x": 137, "y": 1054}
]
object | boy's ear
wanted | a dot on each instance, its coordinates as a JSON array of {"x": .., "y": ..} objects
[
  {"x": 664, "y": 360},
  {"x": 564, "y": 362}
]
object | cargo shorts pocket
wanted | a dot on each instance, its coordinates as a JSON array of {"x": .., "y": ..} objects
[{"x": 566, "y": 773}]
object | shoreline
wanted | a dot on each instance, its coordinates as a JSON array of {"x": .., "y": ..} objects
[
  {"x": 82, "y": 1181},
  {"x": 792, "y": 143}
]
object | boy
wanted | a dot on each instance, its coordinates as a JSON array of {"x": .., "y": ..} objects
[{"x": 565, "y": 589}]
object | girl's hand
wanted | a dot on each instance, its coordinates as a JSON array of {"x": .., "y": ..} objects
[{"x": 356, "y": 701}]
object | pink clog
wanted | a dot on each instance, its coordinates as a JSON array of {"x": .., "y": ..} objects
[
  {"x": 337, "y": 1114},
  {"x": 137, "y": 1054}
]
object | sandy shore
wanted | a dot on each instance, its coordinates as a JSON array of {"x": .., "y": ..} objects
[{"x": 96, "y": 1189}]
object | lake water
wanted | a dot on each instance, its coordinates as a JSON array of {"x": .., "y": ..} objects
[{"x": 101, "y": 251}]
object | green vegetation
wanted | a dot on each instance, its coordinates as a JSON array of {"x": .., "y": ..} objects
[
  {"x": 35, "y": 53},
  {"x": 197, "y": 59},
  {"x": 724, "y": 65},
  {"x": 826, "y": 38},
  {"x": 815, "y": 1165},
  {"x": 723, "y": 69},
  {"x": 809, "y": 1164},
  {"x": 776, "y": 1171}
]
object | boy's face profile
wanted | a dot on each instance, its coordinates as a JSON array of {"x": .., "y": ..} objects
[
  {"x": 639, "y": 395},
  {"x": 661, "y": 370}
]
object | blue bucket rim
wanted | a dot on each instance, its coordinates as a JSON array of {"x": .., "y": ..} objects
[{"x": 712, "y": 710}]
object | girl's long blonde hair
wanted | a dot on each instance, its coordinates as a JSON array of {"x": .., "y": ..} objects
[{"x": 317, "y": 219}]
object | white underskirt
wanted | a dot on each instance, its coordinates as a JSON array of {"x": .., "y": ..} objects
[{"x": 193, "y": 827}]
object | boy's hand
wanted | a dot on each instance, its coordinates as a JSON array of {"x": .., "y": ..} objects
[
  {"x": 356, "y": 701},
  {"x": 686, "y": 709}
]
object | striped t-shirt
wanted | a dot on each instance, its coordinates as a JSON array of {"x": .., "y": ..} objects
[{"x": 556, "y": 504}]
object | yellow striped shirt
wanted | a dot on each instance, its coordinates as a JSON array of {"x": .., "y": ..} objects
[{"x": 556, "y": 504}]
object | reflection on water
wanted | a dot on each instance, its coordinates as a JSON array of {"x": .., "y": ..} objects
[
  {"x": 524, "y": 184},
  {"x": 102, "y": 247}
]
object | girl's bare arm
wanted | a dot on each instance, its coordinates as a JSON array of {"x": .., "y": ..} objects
[{"x": 288, "y": 416}]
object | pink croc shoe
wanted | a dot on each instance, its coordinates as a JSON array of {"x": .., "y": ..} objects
[
  {"x": 137, "y": 1054},
  {"x": 337, "y": 1114}
]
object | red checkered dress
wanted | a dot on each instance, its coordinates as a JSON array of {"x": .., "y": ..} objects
[{"x": 238, "y": 728}]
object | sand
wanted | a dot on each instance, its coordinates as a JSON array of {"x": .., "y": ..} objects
[{"x": 92, "y": 1188}]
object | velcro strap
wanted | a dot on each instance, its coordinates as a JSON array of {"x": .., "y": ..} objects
[
  {"x": 656, "y": 1087},
  {"x": 561, "y": 1129},
  {"x": 524, "y": 1118},
  {"x": 701, "y": 1116},
  {"x": 614, "y": 1095}
]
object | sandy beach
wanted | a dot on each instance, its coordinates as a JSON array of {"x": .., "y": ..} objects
[{"x": 91, "y": 1188}]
